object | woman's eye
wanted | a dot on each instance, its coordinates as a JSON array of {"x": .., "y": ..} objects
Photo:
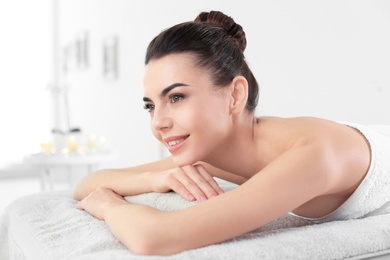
[
  {"x": 149, "y": 107},
  {"x": 176, "y": 97}
]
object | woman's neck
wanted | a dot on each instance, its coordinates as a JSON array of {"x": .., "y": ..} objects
[{"x": 239, "y": 154}]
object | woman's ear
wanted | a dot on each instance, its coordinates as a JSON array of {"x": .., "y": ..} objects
[{"x": 239, "y": 94}]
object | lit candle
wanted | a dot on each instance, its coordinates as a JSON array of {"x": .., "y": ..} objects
[
  {"x": 72, "y": 144},
  {"x": 48, "y": 148}
]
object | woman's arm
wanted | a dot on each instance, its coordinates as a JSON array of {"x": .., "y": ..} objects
[
  {"x": 128, "y": 181},
  {"x": 291, "y": 180},
  {"x": 191, "y": 182}
]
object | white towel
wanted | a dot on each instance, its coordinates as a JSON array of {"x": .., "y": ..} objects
[
  {"x": 4, "y": 236},
  {"x": 48, "y": 226}
]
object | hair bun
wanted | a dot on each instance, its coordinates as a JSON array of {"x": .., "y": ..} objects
[{"x": 227, "y": 23}]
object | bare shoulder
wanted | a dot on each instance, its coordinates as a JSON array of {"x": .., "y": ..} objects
[
  {"x": 309, "y": 129},
  {"x": 345, "y": 148}
]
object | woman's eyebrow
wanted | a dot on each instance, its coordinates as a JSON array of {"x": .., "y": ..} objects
[{"x": 166, "y": 90}]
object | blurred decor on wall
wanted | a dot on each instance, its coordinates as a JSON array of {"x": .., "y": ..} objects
[
  {"x": 110, "y": 58},
  {"x": 82, "y": 50},
  {"x": 75, "y": 54}
]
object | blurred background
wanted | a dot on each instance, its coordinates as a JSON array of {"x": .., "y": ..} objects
[{"x": 71, "y": 75}]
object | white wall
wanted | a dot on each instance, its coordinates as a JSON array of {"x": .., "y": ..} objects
[
  {"x": 323, "y": 58},
  {"x": 24, "y": 75}
]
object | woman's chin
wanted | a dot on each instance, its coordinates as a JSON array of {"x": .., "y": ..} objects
[{"x": 180, "y": 161}]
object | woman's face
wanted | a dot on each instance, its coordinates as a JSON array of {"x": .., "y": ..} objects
[{"x": 188, "y": 114}]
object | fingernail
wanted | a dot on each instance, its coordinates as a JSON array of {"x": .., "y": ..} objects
[
  {"x": 202, "y": 198},
  {"x": 190, "y": 197}
]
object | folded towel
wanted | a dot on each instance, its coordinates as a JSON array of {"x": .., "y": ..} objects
[
  {"x": 48, "y": 226},
  {"x": 4, "y": 236}
]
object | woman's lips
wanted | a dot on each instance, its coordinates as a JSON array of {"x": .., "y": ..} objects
[{"x": 175, "y": 142}]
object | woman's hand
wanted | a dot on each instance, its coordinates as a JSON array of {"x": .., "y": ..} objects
[
  {"x": 192, "y": 182},
  {"x": 99, "y": 201}
]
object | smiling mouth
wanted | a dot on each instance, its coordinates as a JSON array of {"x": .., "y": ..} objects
[{"x": 175, "y": 142}]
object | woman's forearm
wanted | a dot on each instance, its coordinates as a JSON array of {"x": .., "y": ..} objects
[
  {"x": 140, "y": 228},
  {"x": 129, "y": 181},
  {"x": 122, "y": 182},
  {"x": 144, "y": 230}
]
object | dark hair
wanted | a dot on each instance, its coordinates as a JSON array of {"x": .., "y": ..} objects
[{"x": 218, "y": 44}]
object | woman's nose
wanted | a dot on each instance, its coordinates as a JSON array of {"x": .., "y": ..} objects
[{"x": 161, "y": 120}]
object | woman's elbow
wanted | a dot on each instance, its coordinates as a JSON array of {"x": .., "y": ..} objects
[
  {"x": 155, "y": 239},
  {"x": 80, "y": 190},
  {"x": 142, "y": 248},
  {"x": 87, "y": 184},
  {"x": 151, "y": 246},
  {"x": 77, "y": 193}
]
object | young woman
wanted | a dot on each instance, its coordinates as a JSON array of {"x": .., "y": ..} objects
[{"x": 201, "y": 96}]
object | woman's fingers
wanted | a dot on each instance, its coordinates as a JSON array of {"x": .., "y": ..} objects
[
  {"x": 180, "y": 183},
  {"x": 98, "y": 201},
  {"x": 194, "y": 183},
  {"x": 206, "y": 186},
  {"x": 210, "y": 180}
]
